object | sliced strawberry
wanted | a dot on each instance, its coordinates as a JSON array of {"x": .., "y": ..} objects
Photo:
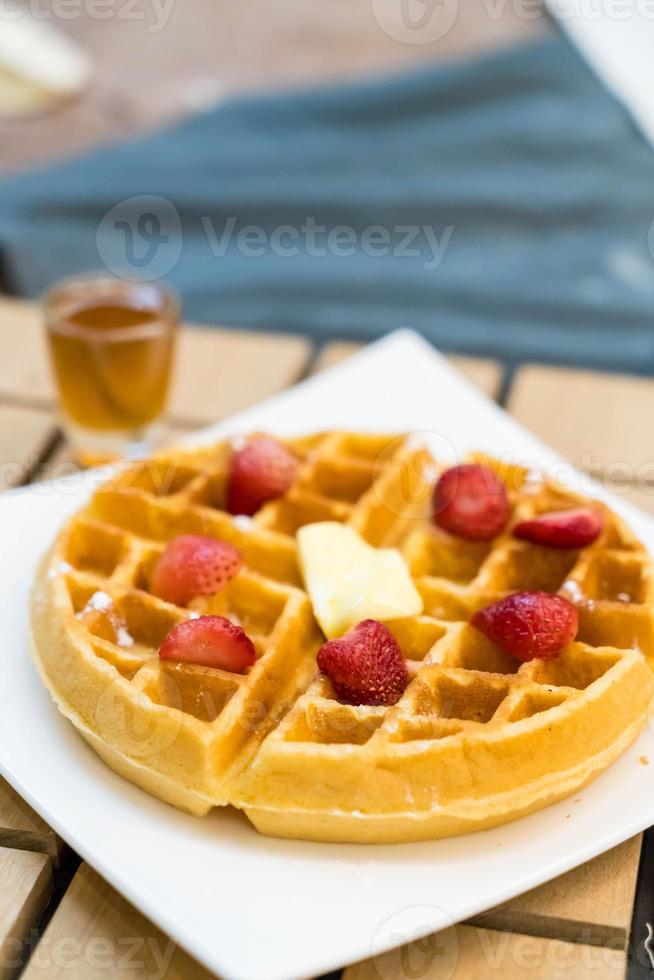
[
  {"x": 529, "y": 624},
  {"x": 562, "y": 528},
  {"x": 262, "y": 470},
  {"x": 210, "y": 641},
  {"x": 191, "y": 566},
  {"x": 470, "y": 501},
  {"x": 366, "y": 665}
]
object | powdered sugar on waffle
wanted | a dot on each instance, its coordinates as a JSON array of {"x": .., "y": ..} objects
[
  {"x": 99, "y": 602},
  {"x": 123, "y": 637},
  {"x": 244, "y": 523},
  {"x": 61, "y": 568},
  {"x": 573, "y": 590},
  {"x": 102, "y": 602}
]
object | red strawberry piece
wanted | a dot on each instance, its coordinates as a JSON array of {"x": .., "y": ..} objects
[
  {"x": 210, "y": 641},
  {"x": 529, "y": 624},
  {"x": 562, "y": 528},
  {"x": 470, "y": 501},
  {"x": 262, "y": 470},
  {"x": 191, "y": 566},
  {"x": 366, "y": 665}
]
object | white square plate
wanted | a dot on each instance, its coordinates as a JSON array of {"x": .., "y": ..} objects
[{"x": 246, "y": 906}]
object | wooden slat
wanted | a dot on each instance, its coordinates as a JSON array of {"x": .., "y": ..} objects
[
  {"x": 22, "y": 828},
  {"x": 222, "y": 371},
  {"x": 24, "y": 435},
  {"x": 468, "y": 953},
  {"x": 23, "y": 365},
  {"x": 485, "y": 374},
  {"x": 104, "y": 937},
  {"x": 25, "y": 889},
  {"x": 598, "y": 421},
  {"x": 217, "y": 371},
  {"x": 592, "y": 903}
]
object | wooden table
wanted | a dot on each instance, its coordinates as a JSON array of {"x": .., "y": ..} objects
[{"x": 62, "y": 919}]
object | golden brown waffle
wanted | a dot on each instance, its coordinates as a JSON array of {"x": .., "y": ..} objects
[
  {"x": 179, "y": 730},
  {"x": 183, "y": 731},
  {"x": 375, "y": 482},
  {"x": 472, "y": 743},
  {"x": 476, "y": 739}
]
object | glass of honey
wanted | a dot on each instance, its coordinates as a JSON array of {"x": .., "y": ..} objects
[{"x": 111, "y": 345}]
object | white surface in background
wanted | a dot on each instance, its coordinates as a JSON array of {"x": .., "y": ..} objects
[
  {"x": 617, "y": 38},
  {"x": 35, "y": 50},
  {"x": 253, "y": 908}
]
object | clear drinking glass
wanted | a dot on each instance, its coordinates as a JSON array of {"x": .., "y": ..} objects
[{"x": 111, "y": 345}]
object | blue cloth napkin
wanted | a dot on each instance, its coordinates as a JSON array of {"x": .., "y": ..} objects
[{"x": 499, "y": 206}]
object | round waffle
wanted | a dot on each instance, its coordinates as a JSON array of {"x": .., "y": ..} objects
[{"x": 476, "y": 739}]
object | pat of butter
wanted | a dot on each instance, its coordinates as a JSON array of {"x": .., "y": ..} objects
[{"x": 348, "y": 580}]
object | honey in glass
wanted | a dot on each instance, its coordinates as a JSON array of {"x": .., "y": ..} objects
[{"x": 111, "y": 345}]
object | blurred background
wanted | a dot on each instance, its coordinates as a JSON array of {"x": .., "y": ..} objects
[
  {"x": 158, "y": 61},
  {"x": 335, "y": 170}
]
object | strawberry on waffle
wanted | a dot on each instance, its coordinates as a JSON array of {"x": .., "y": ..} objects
[{"x": 472, "y": 648}]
